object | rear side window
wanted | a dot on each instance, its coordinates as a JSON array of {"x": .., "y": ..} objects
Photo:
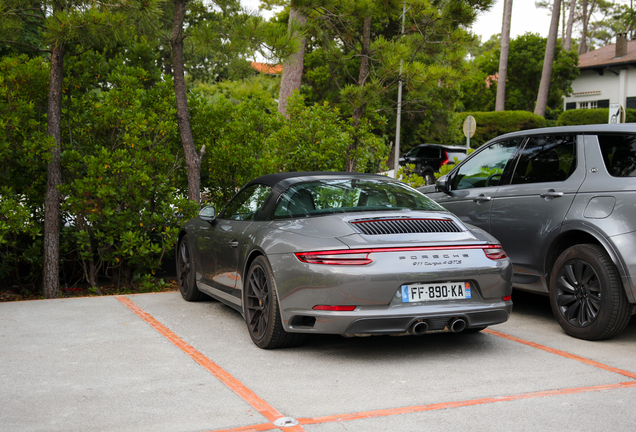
[
  {"x": 247, "y": 203},
  {"x": 619, "y": 154},
  {"x": 430, "y": 152},
  {"x": 546, "y": 159}
]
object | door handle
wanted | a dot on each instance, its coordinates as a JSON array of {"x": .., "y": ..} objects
[
  {"x": 482, "y": 198},
  {"x": 551, "y": 194},
  {"x": 233, "y": 243}
]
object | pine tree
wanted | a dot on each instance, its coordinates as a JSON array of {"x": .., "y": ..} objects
[{"x": 66, "y": 27}]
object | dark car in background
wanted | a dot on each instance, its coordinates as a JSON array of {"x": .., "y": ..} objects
[
  {"x": 343, "y": 253},
  {"x": 562, "y": 202},
  {"x": 429, "y": 158}
]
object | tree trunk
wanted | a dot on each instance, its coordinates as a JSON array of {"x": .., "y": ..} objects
[
  {"x": 51, "y": 277},
  {"x": 563, "y": 15},
  {"x": 567, "y": 44},
  {"x": 583, "y": 43},
  {"x": 192, "y": 158},
  {"x": 546, "y": 74},
  {"x": 90, "y": 270},
  {"x": 358, "y": 110},
  {"x": 500, "y": 103},
  {"x": 293, "y": 66}
]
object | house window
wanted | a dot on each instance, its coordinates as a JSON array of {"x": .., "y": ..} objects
[
  {"x": 603, "y": 103},
  {"x": 594, "y": 104}
]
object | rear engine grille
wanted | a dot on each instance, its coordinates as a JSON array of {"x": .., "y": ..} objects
[{"x": 405, "y": 226}]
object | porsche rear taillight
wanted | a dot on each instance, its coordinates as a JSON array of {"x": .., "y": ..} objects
[
  {"x": 363, "y": 256},
  {"x": 495, "y": 252},
  {"x": 341, "y": 257},
  {"x": 446, "y": 160}
]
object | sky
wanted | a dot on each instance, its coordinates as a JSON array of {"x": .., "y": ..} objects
[{"x": 525, "y": 18}]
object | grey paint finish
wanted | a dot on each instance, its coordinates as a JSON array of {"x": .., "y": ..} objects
[{"x": 226, "y": 248}]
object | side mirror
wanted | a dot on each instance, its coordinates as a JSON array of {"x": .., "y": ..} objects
[
  {"x": 207, "y": 213},
  {"x": 443, "y": 184}
]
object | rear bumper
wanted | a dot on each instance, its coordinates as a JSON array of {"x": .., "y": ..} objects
[{"x": 373, "y": 321}]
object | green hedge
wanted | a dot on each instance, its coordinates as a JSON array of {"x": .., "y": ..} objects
[
  {"x": 591, "y": 116},
  {"x": 494, "y": 123}
]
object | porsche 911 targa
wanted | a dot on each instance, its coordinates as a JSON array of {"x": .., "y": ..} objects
[{"x": 343, "y": 253}]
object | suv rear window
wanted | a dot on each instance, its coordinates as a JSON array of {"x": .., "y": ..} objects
[
  {"x": 547, "y": 158},
  {"x": 619, "y": 154}
]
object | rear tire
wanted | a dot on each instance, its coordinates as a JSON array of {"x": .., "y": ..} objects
[
  {"x": 185, "y": 272},
  {"x": 429, "y": 177},
  {"x": 262, "y": 312},
  {"x": 586, "y": 294}
]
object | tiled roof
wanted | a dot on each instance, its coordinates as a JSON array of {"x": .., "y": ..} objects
[
  {"x": 605, "y": 56},
  {"x": 267, "y": 68}
]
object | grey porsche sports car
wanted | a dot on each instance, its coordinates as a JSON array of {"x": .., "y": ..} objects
[{"x": 343, "y": 253}]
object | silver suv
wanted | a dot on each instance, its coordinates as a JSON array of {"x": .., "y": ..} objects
[{"x": 562, "y": 202}]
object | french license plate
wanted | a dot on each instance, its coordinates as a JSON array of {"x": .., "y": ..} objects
[{"x": 434, "y": 292}]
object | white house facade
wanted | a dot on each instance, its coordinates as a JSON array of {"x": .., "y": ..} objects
[{"x": 608, "y": 76}]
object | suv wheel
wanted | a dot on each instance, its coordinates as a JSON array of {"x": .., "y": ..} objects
[
  {"x": 429, "y": 177},
  {"x": 586, "y": 294}
]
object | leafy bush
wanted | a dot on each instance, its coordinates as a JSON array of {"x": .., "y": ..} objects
[
  {"x": 492, "y": 124},
  {"x": 316, "y": 138},
  {"x": 235, "y": 139},
  {"x": 591, "y": 116},
  {"x": 24, "y": 154},
  {"x": 119, "y": 194},
  {"x": 446, "y": 168},
  {"x": 405, "y": 173}
]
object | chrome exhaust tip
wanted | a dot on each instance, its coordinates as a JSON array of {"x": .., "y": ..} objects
[
  {"x": 457, "y": 325},
  {"x": 418, "y": 328}
]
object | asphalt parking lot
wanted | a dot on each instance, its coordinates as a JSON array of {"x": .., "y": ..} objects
[{"x": 157, "y": 363}]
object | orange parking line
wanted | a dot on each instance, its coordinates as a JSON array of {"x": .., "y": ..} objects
[
  {"x": 272, "y": 414},
  {"x": 562, "y": 353},
  {"x": 446, "y": 405},
  {"x": 435, "y": 407},
  {"x": 268, "y": 411}
]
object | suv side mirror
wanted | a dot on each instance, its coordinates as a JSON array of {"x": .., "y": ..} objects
[
  {"x": 443, "y": 184},
  {"x": 207, "y": 213}
]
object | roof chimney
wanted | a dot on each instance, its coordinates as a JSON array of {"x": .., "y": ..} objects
[{"x": 621, "y": 45}]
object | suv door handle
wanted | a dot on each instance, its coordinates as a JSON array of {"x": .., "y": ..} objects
[
  {"x": 233, "y": 243},
  {"x": 481, "y": 198},
  {"x": 551, "y": 194}
]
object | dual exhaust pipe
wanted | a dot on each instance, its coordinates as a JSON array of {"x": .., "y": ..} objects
[{"x": 420, "y": 327}]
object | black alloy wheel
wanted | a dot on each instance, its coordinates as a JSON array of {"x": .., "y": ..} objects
[
  {"x": 262, "y": 314},
  {"x": 586, "y": 294},
  {"x": 257, "y": 303},
  {"x": 185, "y": 272}
]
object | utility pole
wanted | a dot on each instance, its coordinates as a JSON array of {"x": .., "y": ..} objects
[{"x": 396, "y": 162}]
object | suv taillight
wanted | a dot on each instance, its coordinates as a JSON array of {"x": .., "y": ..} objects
[{"x": 446, "y": 160}]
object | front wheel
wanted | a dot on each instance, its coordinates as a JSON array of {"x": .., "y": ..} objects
[
  {"x": 185, "y": 272},
  {"x": 586, "y": 294},
  {"x": 261, "y": 307}
]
